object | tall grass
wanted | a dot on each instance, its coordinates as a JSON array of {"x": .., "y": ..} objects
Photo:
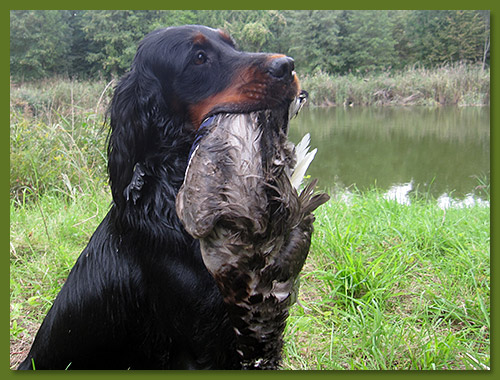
[
  {"x": 57, "y": 137},
  {"x": 459, "y": 84}
]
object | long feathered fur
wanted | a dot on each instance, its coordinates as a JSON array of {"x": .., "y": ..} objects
[{"x": 139, "y": 295}]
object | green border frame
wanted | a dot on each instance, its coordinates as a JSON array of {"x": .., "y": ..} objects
[{"x": 493, "y": 6}]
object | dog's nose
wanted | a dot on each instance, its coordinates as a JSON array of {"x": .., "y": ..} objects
[{"x": 282, "y": 67}]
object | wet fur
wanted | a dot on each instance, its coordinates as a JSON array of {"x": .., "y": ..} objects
[{"x": 139, "y": 295}]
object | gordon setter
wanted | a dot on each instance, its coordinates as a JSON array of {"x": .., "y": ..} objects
[{"x": 139, "y": 295}]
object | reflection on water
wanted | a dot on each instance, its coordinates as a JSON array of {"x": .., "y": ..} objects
[
  {"x": 441, "y": 151},
  {"x": 401, "y": 194},
  {"x": 445, "y": 201}
]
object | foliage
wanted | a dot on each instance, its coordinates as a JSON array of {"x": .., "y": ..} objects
[
  {"x": 93, "y": 43},
  {"x": 253, "y": 30},
  {"x": 364, "y": 44},
  {"x": 114, "y": 34},
  {"x": 39, "y": 43},
  {"x": 446, "y": 36},
  {"x": 313, "y": 39}
]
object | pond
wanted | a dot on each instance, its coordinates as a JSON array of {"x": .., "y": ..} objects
[{"x": 443, "y": 151}]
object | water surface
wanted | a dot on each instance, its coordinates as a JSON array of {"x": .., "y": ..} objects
[{"x": 443, "y": 151}]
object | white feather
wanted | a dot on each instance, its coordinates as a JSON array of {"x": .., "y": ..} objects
[
  {"x": 302, "y": 147},
  {"x": 304, "y": 159}
]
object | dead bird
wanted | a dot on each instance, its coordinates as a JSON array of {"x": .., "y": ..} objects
[{"x": 238, "y": 198}]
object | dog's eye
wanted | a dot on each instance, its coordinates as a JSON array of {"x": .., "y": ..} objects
[{"x": 200, "y": 58}]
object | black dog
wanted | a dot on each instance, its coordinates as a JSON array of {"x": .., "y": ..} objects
[{"x": 139, "y": 296}]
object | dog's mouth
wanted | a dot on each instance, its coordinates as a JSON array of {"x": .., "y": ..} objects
[
  {"x": 251, "y": 93},
  {"x": 278, "y": 103},
  {"x": 294, "y": 104}
]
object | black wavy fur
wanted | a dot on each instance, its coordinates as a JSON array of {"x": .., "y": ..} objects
[{"x": 139, "y": 295}]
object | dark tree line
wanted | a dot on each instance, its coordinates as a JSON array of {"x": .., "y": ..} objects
[{"x": 90, "y": 44}]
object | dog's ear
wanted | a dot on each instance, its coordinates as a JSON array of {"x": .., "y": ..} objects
[{"x": 133, "y": 114}]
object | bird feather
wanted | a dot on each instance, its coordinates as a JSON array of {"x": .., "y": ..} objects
[{"x": 304, "y": 159}]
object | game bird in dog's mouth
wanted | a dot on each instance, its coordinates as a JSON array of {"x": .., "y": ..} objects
[{"x": 240, "y": 199}]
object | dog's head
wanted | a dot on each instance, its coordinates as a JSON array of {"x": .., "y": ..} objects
[
  {"x": 200, "y": 72},
  {"x": 180, "y": 76}
]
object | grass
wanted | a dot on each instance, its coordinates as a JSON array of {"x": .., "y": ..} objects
[
  {"x": 392, "y": 286},
  {"x": 458, "y": 84},
  {"x": 386, "y": 286},
  {"x": 47, "y": 236}
]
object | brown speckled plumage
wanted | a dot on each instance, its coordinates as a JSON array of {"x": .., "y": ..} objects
[{"x": 254, "y": 228}]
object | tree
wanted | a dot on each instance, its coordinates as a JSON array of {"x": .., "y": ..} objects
[
  {"x": 464, "y": 35},
  {"x": 40, "y": 42},
  {"x": 485, "y": 14},
  {"x": 115, "y": 35},
  {"x": 312, "y": 39},
  {"x": 90, "y": 43},
  {"x": 253, "y": 30},
  {"x": 447, "y": 35},
  {"x": 161, "y": 19},
  {"x": 401, "y": 38},
  {"x": 81, "y": 48},
  {"x": 366, "y": 42}
]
